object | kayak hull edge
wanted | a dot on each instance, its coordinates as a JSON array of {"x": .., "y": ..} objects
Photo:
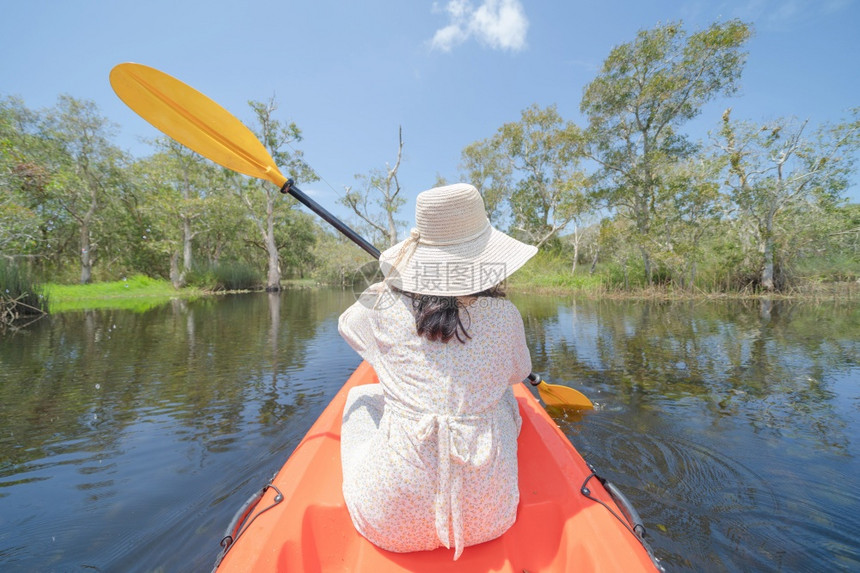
[{"x": 557, "y": 527}]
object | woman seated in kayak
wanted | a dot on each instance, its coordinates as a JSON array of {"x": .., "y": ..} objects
[{"x": 430, "y": 453}]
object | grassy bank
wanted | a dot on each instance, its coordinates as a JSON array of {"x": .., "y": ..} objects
[
  {"x": 552, "y": 274},
  {"x": 548, "y": 273},
  {"x": 137, "y": 293},
  {"x": 544, "y": 274}
]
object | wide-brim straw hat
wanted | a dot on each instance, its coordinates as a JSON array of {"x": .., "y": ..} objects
[{"x": 453, "y": 249}]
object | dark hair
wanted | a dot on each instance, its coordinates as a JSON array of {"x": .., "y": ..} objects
[{"x": 439, "y": 317}]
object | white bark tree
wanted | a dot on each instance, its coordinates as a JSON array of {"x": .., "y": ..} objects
[
  {"x": 379, "y": 201},
  {"x": 774, "y": 168},
  {"x": 262, "y": 198}
]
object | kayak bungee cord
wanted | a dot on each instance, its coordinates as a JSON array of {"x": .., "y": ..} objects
[
  {"x": 240, "y": 522},
  {"x": 633, "y": 523}
]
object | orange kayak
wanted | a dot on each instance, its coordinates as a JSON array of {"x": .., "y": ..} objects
[{"x": 566, "y": 520}]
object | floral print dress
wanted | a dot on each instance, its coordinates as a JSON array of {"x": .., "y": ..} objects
[{"x": 430, "y": 454}]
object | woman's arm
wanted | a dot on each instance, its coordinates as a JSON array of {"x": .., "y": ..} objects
[
  {"x": 355, "y": 325},
  {"x": 521, "y": 361}
]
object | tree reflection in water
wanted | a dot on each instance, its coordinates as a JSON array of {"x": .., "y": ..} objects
[
  {"x": 130, "y": 437},
  {"x": 732, "y": 425}
]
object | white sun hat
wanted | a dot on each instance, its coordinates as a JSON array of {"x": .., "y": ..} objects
[{"x": 453, "y": 250}]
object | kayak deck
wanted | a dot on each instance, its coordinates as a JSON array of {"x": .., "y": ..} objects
[{"x": 557, "y": 527}]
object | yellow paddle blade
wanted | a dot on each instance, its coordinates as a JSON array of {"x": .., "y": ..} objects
[
  {"x": 563, "y": 396},
  {"x": 193, "y": 120}
]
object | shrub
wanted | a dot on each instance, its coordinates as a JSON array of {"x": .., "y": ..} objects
[
  {"x": 20, "y": 294},
  {"x": 230, "y": 275}
]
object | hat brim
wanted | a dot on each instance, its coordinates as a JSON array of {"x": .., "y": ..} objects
[{"x": 455, "y": 270}]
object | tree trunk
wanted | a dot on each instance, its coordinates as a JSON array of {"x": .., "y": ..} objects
[
  {"x": 177, "y": 278},
  {"x": 273, "y": 281},
  {"x": 646, "y": 260},
  {"x": 594, "y": 261},
  {"x": 187, "y": 236},
  {"x": 768, "y": 247},
  {"x": 392, "y": 229},
  {"x": 216, "y": 254},
  {"x": 767, "y": 270},
  {"x": 86, "y": 255},
  {"x": 86, "y": 243}
]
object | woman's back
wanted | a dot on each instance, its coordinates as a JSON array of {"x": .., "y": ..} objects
[
  {"x": 428, "y": 375},
  {"x": 429, "y": 455}
]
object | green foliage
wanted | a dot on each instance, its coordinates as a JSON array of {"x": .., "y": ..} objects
[
  {"x": 761, "y": 208},
  {"x": 786, "y": 184},
  {"x": 529, "y": 170},
  {"x": 549, "y": 270},
  {"x": 224, "y": 276},
  {"x": 337, "y": 261},
  {"x": 295, "y": 235},
  {"x": 645, "y": 92},
  {"x": 484, "y": 166},
  {"x": 837, "y": 267},
  {"x": 21, "y": 295}
]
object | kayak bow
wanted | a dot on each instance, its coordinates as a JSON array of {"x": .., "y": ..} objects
[{"x": 567, "y": 519}]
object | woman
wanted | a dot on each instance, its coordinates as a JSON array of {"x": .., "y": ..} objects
[{"x": 430, "y": 454}]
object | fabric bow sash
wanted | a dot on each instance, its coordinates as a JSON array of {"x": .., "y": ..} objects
[{"x": 463, "y": 440}]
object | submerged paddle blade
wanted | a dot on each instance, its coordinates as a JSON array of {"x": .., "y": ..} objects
[
  {"x": 563, "y": 396},
  {"x": 194, "y": 120}
]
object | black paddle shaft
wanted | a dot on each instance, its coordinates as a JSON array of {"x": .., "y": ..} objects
[{"x": 290, "y": 187}]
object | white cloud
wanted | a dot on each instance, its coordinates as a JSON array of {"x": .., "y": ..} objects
[{"x": 499, "y": 24}]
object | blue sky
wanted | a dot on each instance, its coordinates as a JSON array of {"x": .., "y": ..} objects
[{"x": 450, "y": 73}]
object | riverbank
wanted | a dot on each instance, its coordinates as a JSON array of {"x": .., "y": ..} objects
[
  {"x": 140, "y": 293},
  {"x": 547, "y": 274},
  {"x": 137, "y": 293},
  {"x": 810, "y": 292}
]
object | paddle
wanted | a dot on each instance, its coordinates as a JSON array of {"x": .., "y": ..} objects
[
  {"x": 560, "y": 396},
  {"x": 194, "y": 120},
  {"x": 197, "y": 122}
]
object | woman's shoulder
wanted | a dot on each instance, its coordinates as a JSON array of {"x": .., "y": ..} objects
[{"x": 494, "y": 306}]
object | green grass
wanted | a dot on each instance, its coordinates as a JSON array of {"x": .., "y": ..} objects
[
  {"x": 550, "y": 272},
  {"x": 137, "y": 293}
]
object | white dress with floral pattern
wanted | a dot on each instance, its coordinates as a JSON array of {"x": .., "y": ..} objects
[{"x": 430, "y": 454}]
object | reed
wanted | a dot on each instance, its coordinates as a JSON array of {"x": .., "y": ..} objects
[{"x": 22, "y": 297}]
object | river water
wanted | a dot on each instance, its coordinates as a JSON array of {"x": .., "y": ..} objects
[{"x": 128, "y": 438}]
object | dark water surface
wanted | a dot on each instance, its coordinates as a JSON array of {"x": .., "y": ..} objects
[{"x": 129, "y": 439}]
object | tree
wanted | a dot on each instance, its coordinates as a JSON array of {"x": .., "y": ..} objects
[
  {"x": 229, "y": 231},
  {"x": 483, "y": 164},
  {"x": 691, "y": 209},
  {"x": 262, "y": 198},
  {"x": 379, "y": 201},
  {"x": 85, "y": 165},
  {"x": 21, "y": 179},
  {"x": 645, "y": 92},
  {"x": 775, "y": 170},
  {"x": 546, "y": 185},
  {"x": 180, "y": 188}
]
